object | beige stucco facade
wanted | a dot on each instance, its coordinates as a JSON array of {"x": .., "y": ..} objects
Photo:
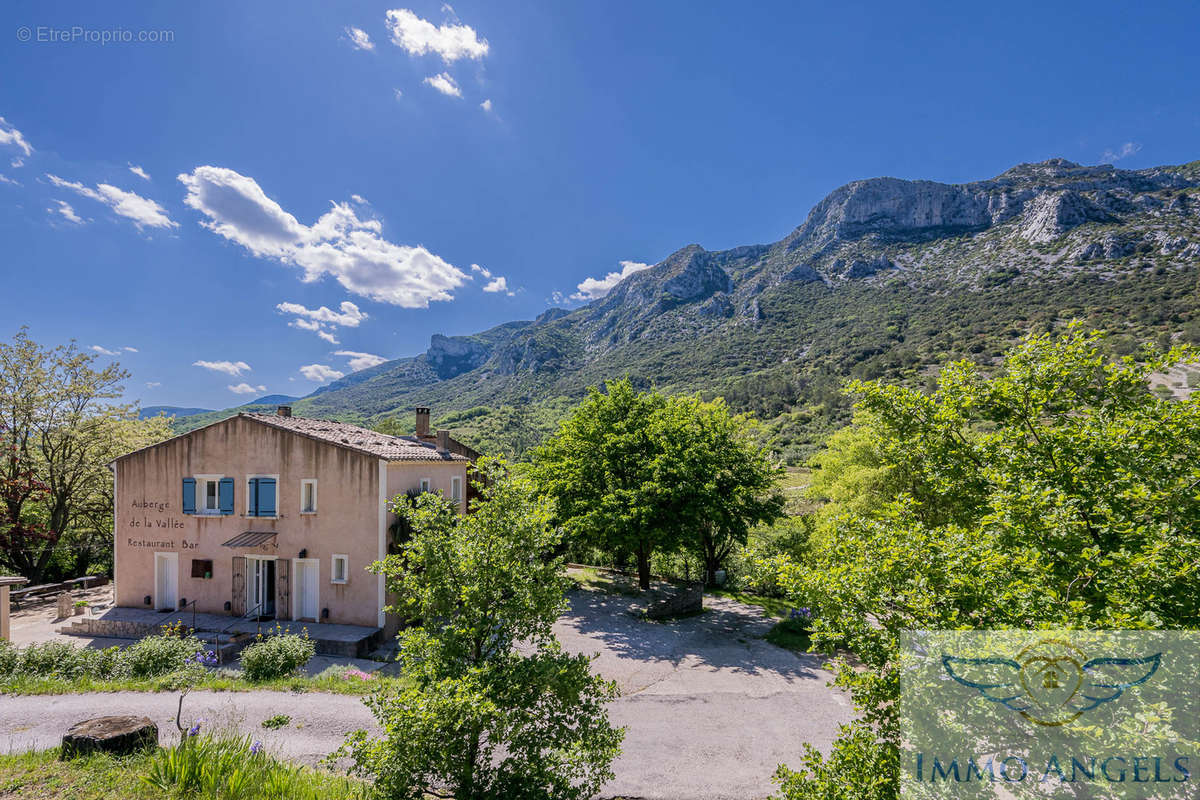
[{"x": 162, "y": 554}]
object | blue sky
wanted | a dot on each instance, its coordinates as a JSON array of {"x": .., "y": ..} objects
[{"x": 302, "y": 182}]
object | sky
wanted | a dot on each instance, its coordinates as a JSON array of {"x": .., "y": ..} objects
[{"x": 234, "y": 199}]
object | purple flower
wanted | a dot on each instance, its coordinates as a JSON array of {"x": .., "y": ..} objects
[
  {"x": 195, "y": 729},
  {"x": 256, "y": 748}
]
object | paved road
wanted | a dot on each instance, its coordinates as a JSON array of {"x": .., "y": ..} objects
[{"x": 711, "y": 708}]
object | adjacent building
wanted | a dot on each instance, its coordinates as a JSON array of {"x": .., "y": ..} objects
[{"x": 274, "y": 516}]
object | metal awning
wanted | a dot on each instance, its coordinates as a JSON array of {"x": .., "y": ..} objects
[{"x": 251, "y": 539}]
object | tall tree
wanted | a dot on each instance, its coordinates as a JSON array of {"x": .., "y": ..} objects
[
  {"x": 62, "y": 422},
  {"x": 489, "y": 705},
  {"x": 721, "y": 483},
  {"x": 1053, "y": 491},
  {"x": 642, "y": 472},
  {"x": 602, "y": 470}
]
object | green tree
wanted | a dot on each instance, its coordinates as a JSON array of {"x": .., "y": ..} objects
[
  {"x": 602, "y": 470},
  {"x": 642, "y": 472},
  {"x": 491, "y": 705},
  {"x": 1057, "y": 492},
  {"x": 721, "y": 482},
  {"x": 61, "y": 423}
]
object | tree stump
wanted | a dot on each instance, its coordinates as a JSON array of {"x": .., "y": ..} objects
[
  {"x": 117, "y": 735},
  {"x": 66, "y": 606}
]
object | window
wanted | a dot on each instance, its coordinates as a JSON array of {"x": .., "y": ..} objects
[
  {"x": 341, "y": 569},
  {"x": 201, "y": 567},
  {"x": 308, "y": 496},
  {"x": 456, "y": 488},
  {"x": 260, "y": 495},
  {"x": 424, "y": 484},
  {"x": 208, "y": 495}
]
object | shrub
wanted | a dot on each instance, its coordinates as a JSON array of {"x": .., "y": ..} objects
[
  {"x": 160, "y": 655},
  {"x": 276, "y": 656}
]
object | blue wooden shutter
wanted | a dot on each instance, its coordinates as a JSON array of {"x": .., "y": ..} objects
[
  {"x": 252, "y": 498},
  {"x": 225, "y": 494},
  {"x": 189, "y": 495},
  {"x": 266, "y": 497}
]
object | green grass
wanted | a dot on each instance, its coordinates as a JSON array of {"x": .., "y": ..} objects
[
  {"x": 603, "y": 581},
  {"x": 332, "y": 684},
  {"x": 41, "y": 776},
  {"x": 790, "y": 635},
  {"x": 775, "y": 606}
]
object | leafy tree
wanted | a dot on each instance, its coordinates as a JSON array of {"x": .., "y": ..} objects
[
  {"x": 491, "y": 705},
  {"x": 721, "y": 483},
  {"x": 601, "y": 468},
  {"x": 643, "y": 472},
  {"x": 1057, "y": 492},
  {"x": 60, "y": 425}
]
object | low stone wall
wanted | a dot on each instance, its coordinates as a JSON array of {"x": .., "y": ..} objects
[
  {"x": 110, "y": 628},
  {"x": 676, "y": 601}
]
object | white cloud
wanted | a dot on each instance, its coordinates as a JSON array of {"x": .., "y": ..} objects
[
  {"x": 349, "y": 316},
  {"x": 17, "y": 163},
  {"x": 359, "y": 38},
  {"x": 486, "y": 105},
  {"x": 12, "y": 136},
  {"x": 65, "y": 209},
  {"x": 130, "y": 349},
  {"x": 153, "y": 384},
  {"x": 104, "y": 351},
  {"x": 595, "y": 288},
  {"x": 141, "y": 173},
  {"x": 1124, "y": 151},
  {"x": 143, "y": 211},
  {"x": 339, "y": 244},
  {"x": 319, "y": 320},
  {"x": 358, "y": 198},
  {"x": 360, "y": 360},
  {"x": 419, "y": 36},
  {"x": 500, "y": 284},
  {"x": 481, "y": 270},
  {"x": 5, "y": 179},
  {"x": 228, "y": 367},
  {"x": 320, "y": 373},
  {"x": 444, "y": 84},
  {"x": 397, "y": 94},
  {"x": 245, "y": 388}
]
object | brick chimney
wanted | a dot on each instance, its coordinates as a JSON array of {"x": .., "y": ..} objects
[
  {"x": 443, "y": 441},
  {"x": 283, "y": 411},
  {"x": 422, "y": 421}
]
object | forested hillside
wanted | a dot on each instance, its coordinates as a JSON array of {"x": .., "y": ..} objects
[{"x": 886, "y": 278}]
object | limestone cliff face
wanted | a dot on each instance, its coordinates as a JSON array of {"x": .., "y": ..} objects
[{"x": 1034, "y": 222}]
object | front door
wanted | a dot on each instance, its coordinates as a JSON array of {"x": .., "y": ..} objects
[
  {"x": 306, "y": 588},
  {"x": 260, "y": 587},
  {"x": 166, "y": 581}
]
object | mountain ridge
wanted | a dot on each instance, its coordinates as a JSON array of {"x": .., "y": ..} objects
[{"x": 883, "y": 261}]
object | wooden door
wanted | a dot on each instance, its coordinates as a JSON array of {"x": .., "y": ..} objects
[
  {"x": 238, "y": 600},
  {"x": 283, "y": 589}
]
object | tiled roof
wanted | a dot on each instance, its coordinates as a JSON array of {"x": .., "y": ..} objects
[{"x": 343, "y": 434}]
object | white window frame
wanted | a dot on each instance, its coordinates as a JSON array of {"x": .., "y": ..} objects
[
  {"x": 202, "y": 482},
  {"x": 423, "y": 485},
  {"x": 333, "y": 561},
  {"x": 456, "y": 492},
  {"x": 303, "y": 483},
  {"x": 278, "y": 494}
]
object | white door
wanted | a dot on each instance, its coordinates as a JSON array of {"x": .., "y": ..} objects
[
  {"x": 306, "y": 586},
  {"x": 260, "y": 586},
  {"x": 166, "y": 581}
]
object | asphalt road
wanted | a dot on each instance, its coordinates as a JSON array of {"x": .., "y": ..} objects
[{"x": 710, "y": 708}]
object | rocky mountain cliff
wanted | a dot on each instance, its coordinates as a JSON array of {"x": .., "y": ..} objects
[{"x": 884, "y": 277}]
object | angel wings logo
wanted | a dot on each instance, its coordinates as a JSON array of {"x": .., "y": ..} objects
[{"x": 1051, "y": 682}]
